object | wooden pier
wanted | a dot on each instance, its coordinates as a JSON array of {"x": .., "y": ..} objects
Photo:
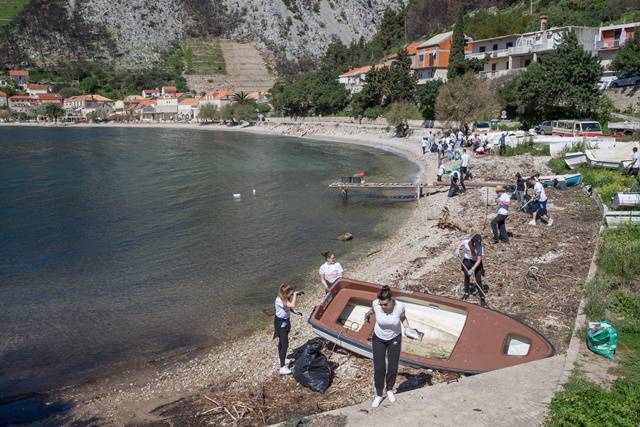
[{"x": 420, "y": 189}]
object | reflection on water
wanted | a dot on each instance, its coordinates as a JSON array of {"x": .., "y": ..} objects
[{"x": 124, "y": 244}]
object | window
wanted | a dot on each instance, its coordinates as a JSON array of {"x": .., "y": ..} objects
[
  {"x": 495, "y": 46},
  {"x": 527, "y": 62},
  {"x": 506, "y": 67},
  {"x": 421, "y": 59},
  {"x": 509, "y": 44},
  {"x": 493, "y": 67},
  {"x": 482, "y": 49}
]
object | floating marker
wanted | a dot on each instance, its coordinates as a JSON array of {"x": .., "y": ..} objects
[{"x": 237, "y": 195}]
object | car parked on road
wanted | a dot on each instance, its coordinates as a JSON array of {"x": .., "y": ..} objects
[
  {"x": 482, "y": 127},
  {"x": 625, "y": 81},
  {"x": 545, "y": 128}
]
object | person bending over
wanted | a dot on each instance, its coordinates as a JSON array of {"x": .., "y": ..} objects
[
  {"x": 285, "y": 302},
  {"x": 472, "y": 265},
  {"x": 387, "y": 342}
]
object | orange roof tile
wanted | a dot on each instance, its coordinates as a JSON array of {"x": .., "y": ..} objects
[
  {"x": 18, "y": 73},
  {"x": 166, "y": 88},
  {"x": 33, "y": 86},
  {"x": 356, "y": 71},
  {"x": 2, "y": 94},
  {"x": 151, "y": 91},
  {"x": 20, "y": 97},
  {"x": 189, "y": 101}
]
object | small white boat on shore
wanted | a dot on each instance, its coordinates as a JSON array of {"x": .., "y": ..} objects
[{"x": 626, "y": 200}]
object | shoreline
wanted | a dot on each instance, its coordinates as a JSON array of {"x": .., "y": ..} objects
[{"x": 89, "y": 397}]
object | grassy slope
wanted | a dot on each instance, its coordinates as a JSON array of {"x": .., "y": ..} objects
[
  {"x": 9, "y": 9},
  {"x": 203, "y": 56}
]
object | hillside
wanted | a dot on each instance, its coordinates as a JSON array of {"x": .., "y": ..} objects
[{"x": 134, "y": 34}]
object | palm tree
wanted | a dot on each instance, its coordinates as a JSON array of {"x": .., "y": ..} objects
[{"x": 242, "y": 97}]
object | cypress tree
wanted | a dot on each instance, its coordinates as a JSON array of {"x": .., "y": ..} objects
[{"x": 456, "y": 55}]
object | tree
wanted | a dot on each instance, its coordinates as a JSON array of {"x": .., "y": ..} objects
[
  {"x": 244, "y": 112},
  {"x": 400, "y": 81},
  {"x": 398, "y": 116},
  {"x": 466, "y": 99},
  {"x": 456, "y": 57},
  {"x": 53, "y": 111},
  {"x": 426, "y": 95},
  {"x": 563, "y": 83},
  {"x": 627, "y": 60},
  {"x": 207, "y": 113},
  {"x": 242, "y": 97}
]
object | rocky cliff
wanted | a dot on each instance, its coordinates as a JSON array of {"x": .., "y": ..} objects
[{"x": 135, "y": 33}]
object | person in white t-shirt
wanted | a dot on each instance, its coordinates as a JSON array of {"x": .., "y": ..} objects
[
  {"x": 425, "y": 139},
  {"x": 285, "y": 302},
  {"x": 330, "y": 271},
  {"x": 539, "y": 207},
  {"x": 441, "y": 170},
  {"x": 387, "y": 342},
  {"x": 472, "y": 265},
  {"x": 464, "y": 164},
  {"x": 503, "y": 201}
]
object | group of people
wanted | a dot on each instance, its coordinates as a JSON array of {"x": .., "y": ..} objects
[{"x": 450, "y": 144}]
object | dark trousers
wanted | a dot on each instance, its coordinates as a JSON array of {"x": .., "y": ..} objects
[
  {"x": 381, "y": 372},
  {"x": 498, "y": 223},
  {"x": 464, "y": 171},
  {"x": 439, "y": 178},
  {"x": 503, "y": 149},
  {"x": 281, "y": 330},
  {"x": 424, "y": 150},
  {"x": 468, "y": 287}
]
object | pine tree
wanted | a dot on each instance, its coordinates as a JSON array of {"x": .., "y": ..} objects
[
  {"x": 627, "y": 60},
  {"x": 457, "y": 66}
]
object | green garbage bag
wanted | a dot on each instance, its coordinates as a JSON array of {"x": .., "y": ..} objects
[{"x": 602, "y": 338}]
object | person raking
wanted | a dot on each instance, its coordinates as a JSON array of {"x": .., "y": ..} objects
[{"x": 472, "y": 266}]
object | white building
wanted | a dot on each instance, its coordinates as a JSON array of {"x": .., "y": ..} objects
[{"x": 611, "y": 38}]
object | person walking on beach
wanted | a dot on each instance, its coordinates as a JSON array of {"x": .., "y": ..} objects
[
  {"x": 634, "y": 168},
  {"x": 472, "y": 265},
  {"x": 285, "y": 302},
  {"x": 503, "y": 143},
  {"x": 539, "y": 206},
  {"x": 503, "y": 200},
  {"x": 425, "y": 140},
  {"x": 330, "y": 271},
  {"x": 432, "y": 140},
  {"x": 441, "y": 169},
  {"x": 386, "y": 341}
]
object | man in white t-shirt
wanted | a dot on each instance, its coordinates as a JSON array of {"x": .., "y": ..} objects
[
  {"x": 503, "y": 201},
  {"x": 425, "y": 139},
  {"x": 539, "y": 207}
]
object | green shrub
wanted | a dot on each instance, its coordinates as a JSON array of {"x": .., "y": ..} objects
[
  {"x": 373, "y": 112},
  {"x": 558, "y": 165},
  {"x": 528, "y": 148},
  {"x": 618, "y": 251}
]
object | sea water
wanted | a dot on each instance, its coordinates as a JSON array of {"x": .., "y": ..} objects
[{"x": 120, "y": 245}]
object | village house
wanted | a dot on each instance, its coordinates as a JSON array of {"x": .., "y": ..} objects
[
  {"x": 219, "y": 98},
  {"x": 150, "y": 93},
  {"x": 81, "y": 105},
  {"x": 611, "y": 38},
  {"x": 166, "y": 107},
  {"x": 432, "y": 59},
  {"x": 36, "y": 89},
  {"x": 21, "y": 104},
  {"x": 3, "y": 99},
  {"x": 188, "y": 109},
  {"x": 168, "y": 90},
  {"x": 411, "y": 49},
  {"x": 512, "y": 54},
  {"x": 48, "y": 98},
  {"x": 353, "y": 80},
  {"x": 20, "y": 77}
]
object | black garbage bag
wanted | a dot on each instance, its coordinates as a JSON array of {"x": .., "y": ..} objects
[{"x": 312, "y": 368}]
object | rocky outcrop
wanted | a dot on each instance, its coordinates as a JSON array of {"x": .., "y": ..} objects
[{"x": 135, "y": 33}]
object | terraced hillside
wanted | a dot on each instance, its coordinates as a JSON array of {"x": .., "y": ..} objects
[
  {"x": 243, "y": 68},
  {"x": 9, "y": 9}
]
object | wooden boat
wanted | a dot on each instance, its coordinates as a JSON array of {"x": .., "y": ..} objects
[
  {"x": 458, "y": 336},
  {"x": 573, "y": 160},
  {"x": 571, "y": 179}
]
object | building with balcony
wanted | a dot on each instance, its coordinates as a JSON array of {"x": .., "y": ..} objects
[
  {"x": 611, "y": 38},
  {"x": 512, "y": 54},
  {"x": 353, "y": 79},
  {"x": 432, "y": 57}
]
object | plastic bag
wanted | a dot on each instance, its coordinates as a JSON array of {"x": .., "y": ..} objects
[
  {"x": 312, "y": 368},
  {"x": 602, "y": 338}
]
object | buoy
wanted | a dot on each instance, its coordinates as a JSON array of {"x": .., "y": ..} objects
[
  {"x": 254, "y": 191},
  {"x": 237, "y": 195}
]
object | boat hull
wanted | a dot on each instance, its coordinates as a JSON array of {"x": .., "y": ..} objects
[
  {"x": 571, "y": 179},
  {"x": 458, "y": 336}
]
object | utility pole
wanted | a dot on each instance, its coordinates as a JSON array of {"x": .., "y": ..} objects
[{"x": 530, "y": 7}]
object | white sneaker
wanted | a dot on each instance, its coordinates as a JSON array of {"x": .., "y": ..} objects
[
  {"x": 391, "y": 396},
  {"x": 532, "y": 222},
  {"x": 288, "y": 361},
  {"x": 376, "y": 402},
  {"x": 550, "y": 222},
  {"x": 285, "y": 371}
]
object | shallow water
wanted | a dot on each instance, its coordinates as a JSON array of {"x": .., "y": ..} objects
[{"x": 122, "y": 245}]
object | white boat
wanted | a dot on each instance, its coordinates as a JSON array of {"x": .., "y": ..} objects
[
  {"x": 614, "y": 218},
  {"x": 573, "y": 160},
  {"x": 626, "y": 200}
]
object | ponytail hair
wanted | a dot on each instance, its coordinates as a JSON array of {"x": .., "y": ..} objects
[
  {"x": 284, "y": 291},
  {"x": 327, "y": 254},
  {"x": 384, "y": 293}
]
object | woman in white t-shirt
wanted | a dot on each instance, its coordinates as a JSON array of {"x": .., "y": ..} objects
[
  {"x": 285, "y": 302},
  {"x": 386, "y": 341},
  {"x": 330, "y": 271}
]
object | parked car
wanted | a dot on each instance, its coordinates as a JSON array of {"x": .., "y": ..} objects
[
  {"x": 545, "y": 128},
  {"x": 482, "y": 127},
  {"x": 625, "y": 81},
  {"x": 606, "y": 81}
]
